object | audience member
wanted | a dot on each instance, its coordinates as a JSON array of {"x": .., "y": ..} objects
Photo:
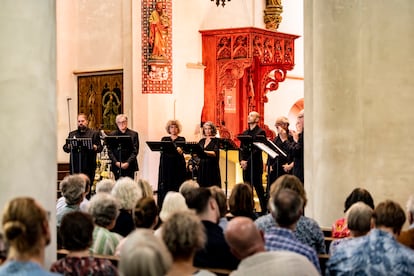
[
  {"x": 104, "y": 209},
  {"x": 76, "y": 231},
  {"x": 339, "y": 228},
  {"x": 144, "y": 254},
  {"x": 377, "y": 253},
  {"x": 246, "y": 242},
  {"x": 188, "y": 186},
  {"x": 287, "y": 206},
  {"x": 241, "y": 202},
  {"x": 61, "y": 202},
  {"x": 220, "y": 197},
  {"x": 183, "y": 234},
  {"x": 105, "y": 186},
  {"x": 128, "y": 193},
  {"x": 173, "y": 201},
  {"x": 407, "y": 237},
  {"x": 359, "y": 217},
  {"x": 73, "y": 190},
  {"x": 145, "y": 187},
  {"x": 26, "y": 230},
  {"x": 216, "y": 252},
  {"x": 307, "y": 230},
  {"x": 146, "y": 213}
]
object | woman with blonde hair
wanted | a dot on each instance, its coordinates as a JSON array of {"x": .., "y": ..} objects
[{"x": 172, "y": 169}]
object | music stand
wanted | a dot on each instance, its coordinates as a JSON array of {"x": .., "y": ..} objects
[
  {"x": 269, "y": 143},
  {"x": 193, "y": 148},
  {"x": 118, "y": 144},
  {"x": 79, "y": 144},
  {"x": 226, "y": 145}
]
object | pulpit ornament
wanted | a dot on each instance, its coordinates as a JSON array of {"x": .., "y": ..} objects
[{"x": 272, "y": 12}]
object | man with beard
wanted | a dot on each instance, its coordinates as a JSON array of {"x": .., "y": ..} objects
[
  {"x": 83, "y": 158},
  {"x": 26, "y": 229},
  {"x": 251, "y": 160}
]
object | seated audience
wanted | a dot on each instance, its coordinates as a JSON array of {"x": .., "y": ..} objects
[
  {"x": 105, "y": 186},
  {"x": 76, "y": 231},
  {"x": 216, "y": 252},
  {"x": 359, "y": 217},
  {"x": 173, "y": 201},
  {"x": 241, "y": 202},
  {"x": 104, "y": 209},
  {"x": 307, "y": 230},
  {"x": 128, "y": 193},
  {"x": 377, "y": 253},
  {"x": 183, "y": 234},
  {"x": 221, "y": 200},
  {"x": 61, "y": 202},
  {"x": 26, "y": 230},
  {"x": 144, "y": 254},
  {"x": 407, "y": 237},
  {"x": 287, "y": 206},
  {"x": 145, "y": 187},
  {"x": 73, "y": 191},
  {"x": 246, "y": 242},
  {"x": 339, "y": 228}
]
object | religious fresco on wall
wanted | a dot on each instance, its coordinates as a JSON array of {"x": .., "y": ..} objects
[
  {"x": 100, "y": 97},
  {"x": 156, "y": 46}
]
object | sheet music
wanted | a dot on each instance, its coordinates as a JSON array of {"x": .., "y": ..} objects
[
  {"x": 266, "y": 149},
  {"x": 274, "y": 145}
]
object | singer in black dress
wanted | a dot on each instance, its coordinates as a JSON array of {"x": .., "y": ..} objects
[
  {"x": 172, "y": 170},
  {"x": 209, "y": 170}
]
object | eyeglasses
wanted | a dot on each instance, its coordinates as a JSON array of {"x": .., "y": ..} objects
[{"x": 122, "y": 122}]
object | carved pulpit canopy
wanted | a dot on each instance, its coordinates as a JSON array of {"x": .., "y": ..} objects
[{"x": 242, "y": 65}]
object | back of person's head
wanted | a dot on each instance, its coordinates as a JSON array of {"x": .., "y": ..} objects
[
  {"x": 76, "y": 231},
  {"x": 288, "y": 181},
  {"x": 243, "y": 237},
  {"x": 73, "y": 188},
  {"x": 146, "y": 213},
  {"x": 188, "y": 186},
  {"x": 105, "y": 186},
  {"x": 241, "y": 200},
  {"x": 389, "y": 214},
  {"x": 104, "y": 209},
  {"x": 359, "y": 194},
  {"x": 220, "y": 197},
  {"x": 144, "y": 254},
  {"x": 145, "y": 187},
  {"x": 87, "y": 182},
  {"x": 198, "y": 199},
  {"x": 25, "y": 225},
  {"x": 286, "y": 207},
  {"x": 127, "y": 192},
  {"x": 183, "y": 233},
  {"x": 173, "y": 201},
  {"x": 359, "y": 217}
]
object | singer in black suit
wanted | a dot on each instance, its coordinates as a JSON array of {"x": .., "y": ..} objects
[
  {"x": 87, "y": 162},
  {"x": 257, "y": 161},
  {"x": 128, "y": 164}
]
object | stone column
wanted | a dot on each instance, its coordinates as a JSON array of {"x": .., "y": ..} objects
[
  {"x": 359, "y": 85},
  {"x": 28, "y": 106}
]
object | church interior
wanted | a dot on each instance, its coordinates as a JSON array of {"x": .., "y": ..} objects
[{"x": 350, "y": 62}]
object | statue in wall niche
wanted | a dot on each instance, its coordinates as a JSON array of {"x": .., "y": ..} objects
[
  {"x": 110, "y": 103},
  {"x": 158, "y": 33}
]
